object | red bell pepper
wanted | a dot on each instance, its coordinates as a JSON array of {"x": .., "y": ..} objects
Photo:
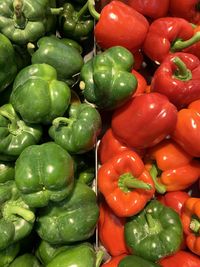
[
  {"x": 141, "y": 83},
  {"x": 114, "y": 261},
  {"x": 119, "y": 24},
  {"x": 187, "y": 131},
  {"x": 168, "y": 35},
  {"x": 125, "y": 183},
  {"x": 177, "y": 169},
  {"x": 111, "y": 231},
  {"x": 195, "y": 48},
  {"x": 181, "y": 259},
  {"x": 191, "y": 223},
  {"x": 144, "y": 121},
  {"x": 178, "y": 77},
  {"x": 151, "y": 9},
  {"x": 187, "y": 9}
]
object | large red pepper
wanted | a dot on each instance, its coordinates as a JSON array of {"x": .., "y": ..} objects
[
  {"x": 144, "y": 121},
  {"x": 125, "y": 183},
  {"x": 187, "y": 131},
  {"x": 187, "y": 9},
  {"x": 168, "y": 35},
  {"x": 141, "y": 83},
  {"x": 111, "y": 231},
  {"x": 195, "y": 48},
  {"x": 119, "y": 24},
  {"x": 178, "y": 77},
  {"x": 181, "y": 259},
  {"x": 191, "y": 224},
  {"x": 177, "y": 169}
]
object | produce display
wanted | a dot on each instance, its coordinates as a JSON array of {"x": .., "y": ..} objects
[{"x": 99, "y": 133}]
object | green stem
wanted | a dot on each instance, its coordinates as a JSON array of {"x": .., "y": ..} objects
[
  {"x": 92, "y": 10},
  {"x": 160, "y": 188},
  {"x": 27, "y": 215},
  {"x": 195, "y": 225},
  {"x": 82, "y": 11},
  {"x": 56, "y": 11},
  {"x": 154, "y": 225},
  {"x": 8, "y": 116},
  {"x": 19, "y": 19},
  {"x": 99, "y": 258},
  {"x": 182, "y": 72},
  {"x": 30, "y": 48},
  {"x": 180, "y": 45},
  {"x": 127, "y": 181},
  {"x": 61, "y": 120}
]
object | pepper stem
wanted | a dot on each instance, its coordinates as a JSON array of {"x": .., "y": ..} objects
[
  {"x": 160, "y": 188},
  {"x": 127, "y": 181},
  {"x": 56, "y": 10},
  {"x": 195, "y": 225},
  {"x": 19, "y": 18},
  {"x": 30, "y": 48},
  {"x": 154, "y": 225},
  {"x": 26, "y": 214},
  {"x": 99, "y": 258},
  {"x": 180, "y": 45},
  {"x": 82, "y": 11},
  {"x": 182, "y": 72},
  {"x": 7, "y": 115},
  {"x": 92, "y": 10},
  {"x": 61, "y": 120}
]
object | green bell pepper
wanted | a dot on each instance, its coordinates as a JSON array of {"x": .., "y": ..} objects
[
  {"x": 106, "y": 80},
  {"x": 44, "y": 173},
  {"x": 8, "y": 63},
  {"x": 7, "y": 171},
  {"x": 75, "y": 22},
  {"x": 77, "y": 132},
  {"x": 38, "y": 96},
  {"x": 72, "y": 43},
  {"x": 136, "y": 261},
  {"x": 8, "y": 255},
  {"x": 24, "y": 21},
  {"x": 25, "y": 260},
  {"x": 71, "y": 220},
  {"x": 16, "y": 219},
  {"x": 64, "y": 58},
  {"x": 155, "y": 232},
  {"x": 15, "y": 134}
]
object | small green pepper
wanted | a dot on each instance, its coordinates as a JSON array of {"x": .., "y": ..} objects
[
  {"x": 25, "y": 260},
  {"x": 8, "y": 255},
  {"x": 136, "y": 261}
]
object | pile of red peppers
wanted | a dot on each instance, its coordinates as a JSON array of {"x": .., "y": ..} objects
[{"x": 149, "y": 151}]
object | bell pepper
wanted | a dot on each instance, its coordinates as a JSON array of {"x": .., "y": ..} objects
[
  {"x": 113, "y": 261},
  {"x": 78, "y": 131},
  {"x": 187, "y": 131},
  {"x": 177, "y": 169},
  {"x": 43, "y": 96},
  {"x": 82, "y": 255},
  {"x": 168, "y": 35},
  {"x": 136, "y": 261},
  {"x": 181, "y": 259},
  {"x": 147, "y": 117},
  {"x": 25, "y": 260},
  {"x": 15, "y": 134},
  {"x": 177, "y": 77},
  {"x": 53, "y": 51},
  {"x": 23, "y": 21},
  {"x": 141, "y": 83},
  {"x": 151, "y": 9},
  {"x": 44, "y": 173},
  {"x": 154, "y": 233},
  {"x": 75, "y": 22},
  {"x": 187, "y": 9},
  {"x": 9, "y": 70},
  {"x": 119, "y": 25},
  {"x": 195, "y": 48},
  {"x": 125, "y": 183},
  {"x": 106, "y": 79},
  {"x": 113, "y": 241},
  {"x": 8, "y": 255},
  {"x": 17, "y": 218},
  {"x": 191, "y": 223},
  {"x": 71, "y": 220},
  {"x": 7, "y": 171}
]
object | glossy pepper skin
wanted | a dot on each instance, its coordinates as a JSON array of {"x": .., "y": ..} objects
[
  {"x": 191, "y": 224},
  {"x": 187, "y": 131},
  {"x": 177, "y": 77},
  {"x": 120, "y": 25},
  {"x": 136, "y": 261},
  {"x": 7, "y": 171},
  {"x": 178, "y": 170},
  {"x": 75, "y": 22},
  {"x": 44, "y": 173},
  {"x": 15, "y": 134},
  {"x": 77, "y": 132},
  {"x": 165, "y": 35},
  {"x": 106, "y": 80},
  {"x": 141, "y": 83},
  {"x": 25, "y": 260},
  {"x": 142, "y": 117},
  {"x": 10, "y": 68},
  {"x": 23, "y": 21},
  {"x": 125, "y": 183},
  {"x": 154, "y": 233},
  {"x": 71, "y": 220},
  {"x": 44, "y": 97},
  {"x": 64, "y": 58},
  {"x": 9, "y": 254},
  {"x": 181, "y": 259}
]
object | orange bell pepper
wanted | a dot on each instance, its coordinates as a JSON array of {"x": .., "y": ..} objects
[{"x": 191, "y": 223}]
